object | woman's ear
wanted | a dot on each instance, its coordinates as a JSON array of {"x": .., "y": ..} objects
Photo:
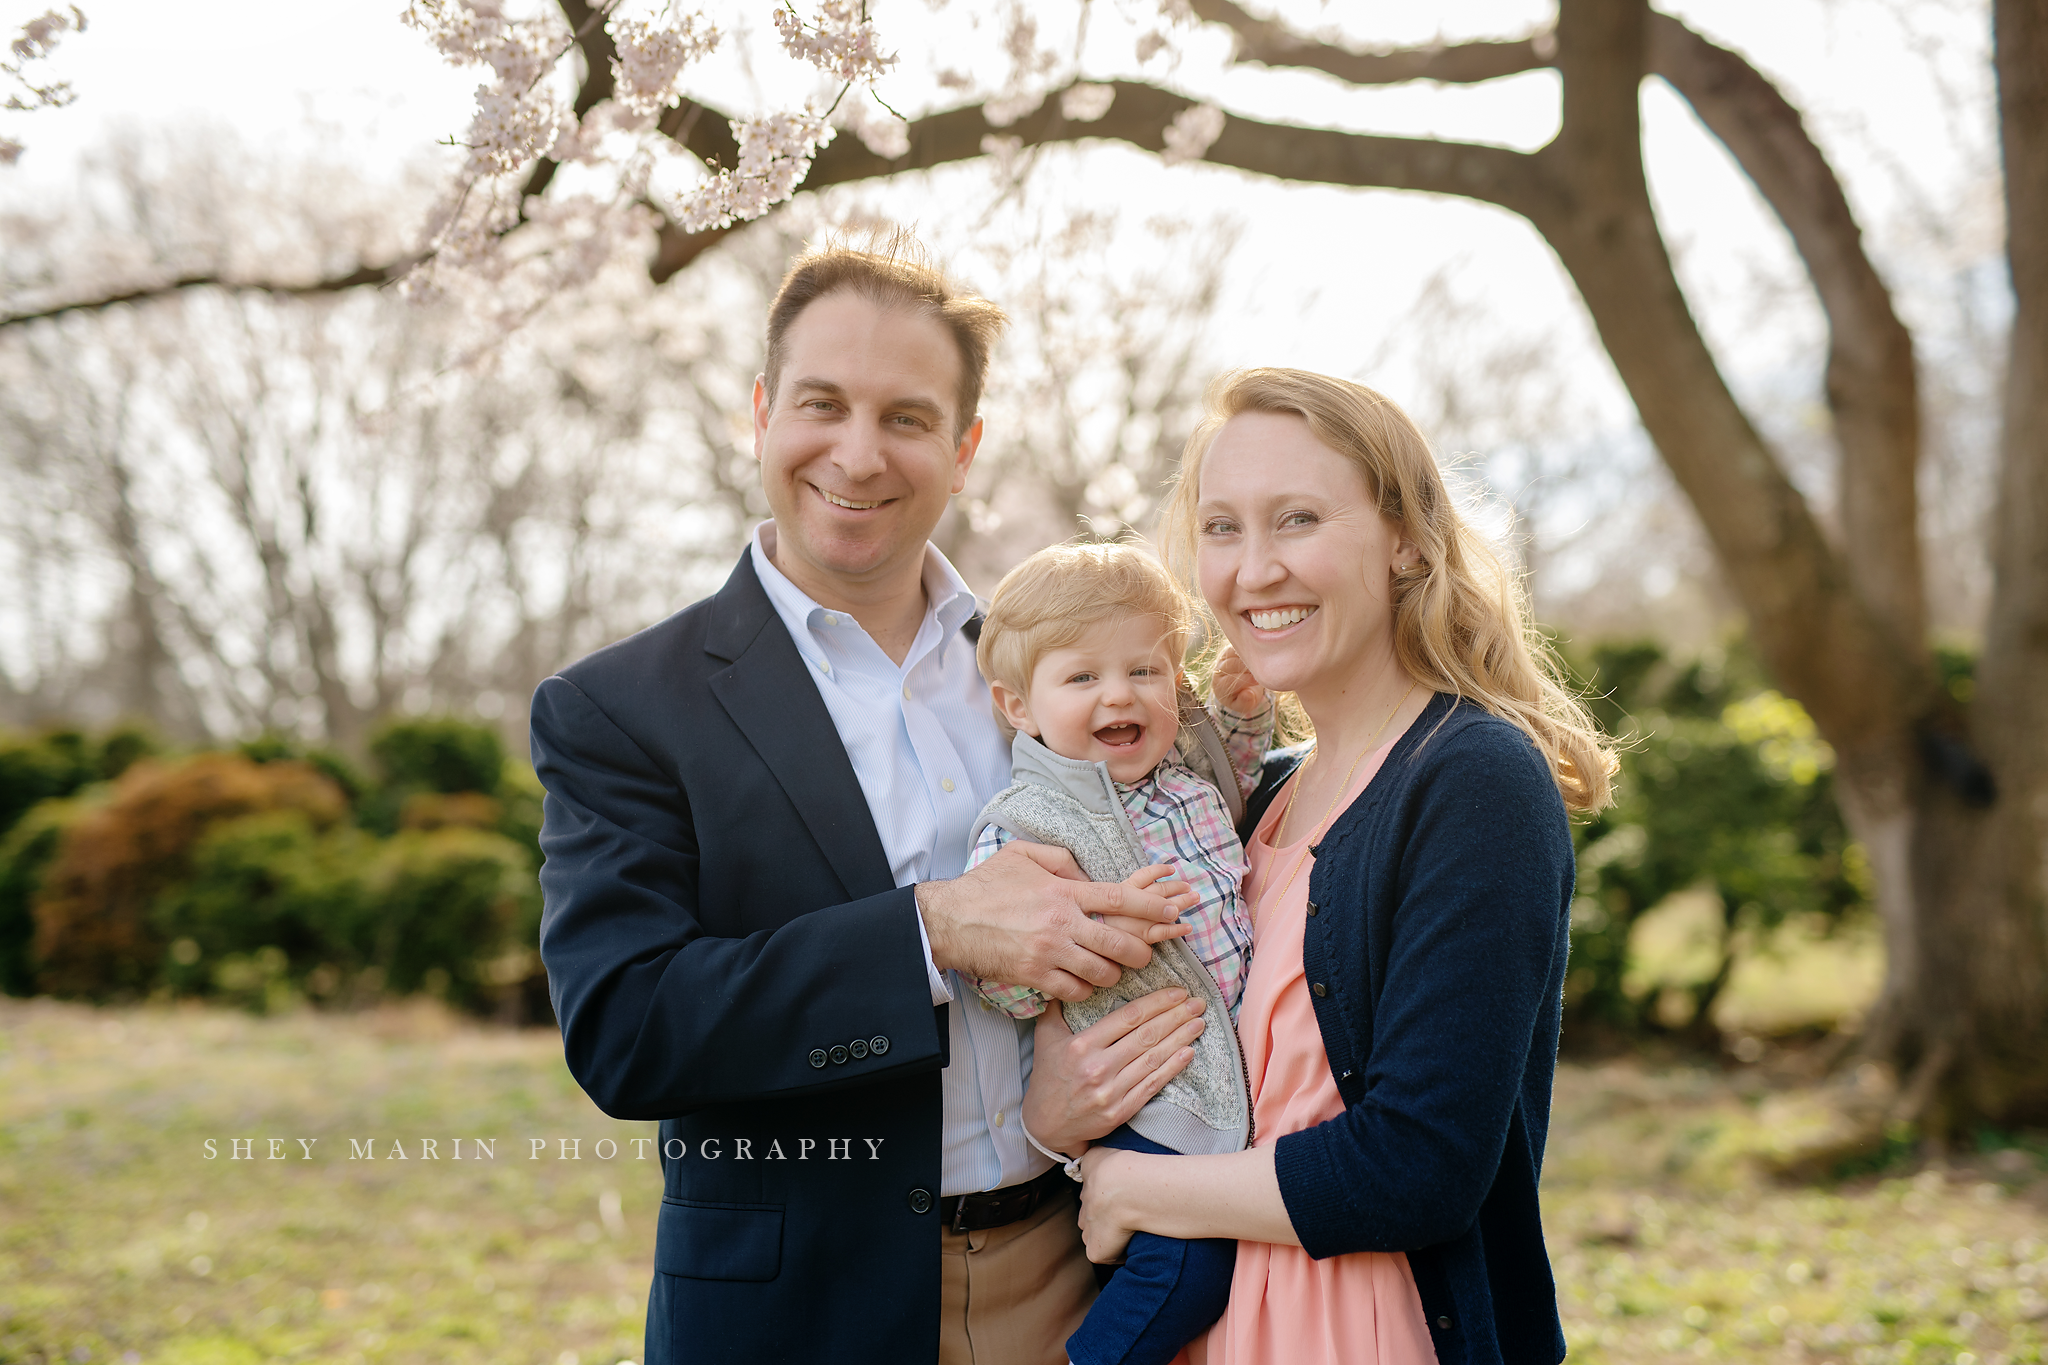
[
  {"x": 1015, "y": 707},
  {"x": 1407, "y": 555}
]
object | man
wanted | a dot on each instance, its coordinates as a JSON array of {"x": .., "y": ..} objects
[{"x": 756, "y": 821}]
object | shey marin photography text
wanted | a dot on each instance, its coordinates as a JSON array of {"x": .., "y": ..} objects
[{"x": 539, "y": 1149}]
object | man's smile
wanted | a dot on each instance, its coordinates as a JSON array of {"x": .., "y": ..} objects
[{"x": 852, "y": 503}]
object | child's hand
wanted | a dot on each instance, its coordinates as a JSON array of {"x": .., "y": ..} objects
[
  {"x": 1160, "y": 881},
  {"x": 1233, "y": 685}
]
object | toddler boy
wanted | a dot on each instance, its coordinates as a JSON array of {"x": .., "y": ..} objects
[{"x": 1114, "y": 761}]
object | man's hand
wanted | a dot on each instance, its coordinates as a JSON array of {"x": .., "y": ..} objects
[
  {"x": 1023, "y": 917},
  {"x": 1233, "y": 685},
  {"x": 1086, "y": 1084}
]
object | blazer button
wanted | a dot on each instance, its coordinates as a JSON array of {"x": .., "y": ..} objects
[
  {"x": 878, "y": 1045},
  {"x": 1320, "y": 989},
  {"x": 839, "y": 1054},
  {"x": 858, "y": 1047},
  {"x": 1311, "y": 909},
  {"x": 920, "y": 1201},
  {"x": 817, "y": 1056},
  {"x": 1443, "y": 1323}
]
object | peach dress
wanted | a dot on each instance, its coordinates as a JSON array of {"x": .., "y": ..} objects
[{"x": 1286, "y": 1308}]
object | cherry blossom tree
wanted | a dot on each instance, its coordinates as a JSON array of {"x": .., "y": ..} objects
[{"x": 587, "y": 136}]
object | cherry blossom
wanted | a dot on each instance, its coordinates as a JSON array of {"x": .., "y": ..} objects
[{"x": 1193, "y": 131}]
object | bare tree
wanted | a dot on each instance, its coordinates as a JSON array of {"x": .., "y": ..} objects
[{"x": 317, "y": 516}]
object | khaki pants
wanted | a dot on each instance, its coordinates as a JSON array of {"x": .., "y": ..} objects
[{"x": 1013, "y": 1295}]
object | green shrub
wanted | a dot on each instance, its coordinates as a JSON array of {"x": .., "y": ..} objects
[
  {"x": 440, "y": 754},
  {"x": 58, "y": 762},
  {"x": 269, "y": 881},
  {"x": 1724, "y": 785},
  {"x": 25, "y": 853},
  {"x": 442, "y": 907}
]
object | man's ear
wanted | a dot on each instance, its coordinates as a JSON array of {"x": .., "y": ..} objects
[
  {"x": 1014, "y": 708},
  {"x": 963, "y": 457},
  {"x": 761, "y": 404}
]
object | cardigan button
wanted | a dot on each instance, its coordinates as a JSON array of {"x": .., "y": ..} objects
[
  {"x": 1320, "y": 989},
  {"x": 1443, "y": 1323}
]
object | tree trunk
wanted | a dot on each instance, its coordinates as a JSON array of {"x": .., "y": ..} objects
[{"x": 1992, "y": 925}]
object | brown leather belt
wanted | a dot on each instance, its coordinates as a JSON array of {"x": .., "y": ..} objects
[{"x": 998, "y": 1208}]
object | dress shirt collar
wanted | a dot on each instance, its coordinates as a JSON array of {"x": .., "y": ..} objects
[{"x": 947, "y": 596}]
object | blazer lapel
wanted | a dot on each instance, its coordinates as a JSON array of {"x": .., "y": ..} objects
[{"x": 767, "y": 690}]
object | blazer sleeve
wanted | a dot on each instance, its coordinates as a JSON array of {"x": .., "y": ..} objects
[
  {"x": 1474, "y": 961},
  {"x": 660, "y": 1018}
]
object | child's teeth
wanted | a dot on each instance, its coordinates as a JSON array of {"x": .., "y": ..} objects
[
  {"x": 837, "y": 501},
  {"x": 1286, "y": 616}
]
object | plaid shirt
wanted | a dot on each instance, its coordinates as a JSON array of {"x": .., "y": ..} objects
[{"x": 1180, "y": 819}]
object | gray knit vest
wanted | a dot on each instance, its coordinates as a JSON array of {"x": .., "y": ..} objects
[{"x": 1072, "y": 804}]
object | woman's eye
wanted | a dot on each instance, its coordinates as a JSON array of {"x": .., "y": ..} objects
[
  {"x": 1298, "y": 519},
  {"x": 1217, "y": 526}
]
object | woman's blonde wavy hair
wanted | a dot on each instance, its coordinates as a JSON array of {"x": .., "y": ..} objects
[{"x": 1461, "y": 617}]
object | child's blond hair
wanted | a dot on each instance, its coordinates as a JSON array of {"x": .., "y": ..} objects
[{"x": 1051, "y": 599}]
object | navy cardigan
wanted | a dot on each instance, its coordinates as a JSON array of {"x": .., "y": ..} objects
[{"x": 1439, "y": 906}]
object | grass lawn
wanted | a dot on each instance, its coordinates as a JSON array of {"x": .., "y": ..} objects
[{"x": 121, "y": 1239}]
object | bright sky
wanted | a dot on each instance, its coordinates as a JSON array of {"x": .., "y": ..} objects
[
  {"x": 1328, "y": 270},
  {"x": 1894, "y": 89}
]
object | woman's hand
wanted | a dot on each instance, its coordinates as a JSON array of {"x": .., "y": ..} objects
[
  {"x": 1086, "y": 1084},
  {"x": 1106, "y": 1222},
  {"x": 1234, "y": 687}
]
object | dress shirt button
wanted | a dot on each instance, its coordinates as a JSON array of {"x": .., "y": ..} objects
[
  {"x": 817, "y": 1056},
  {"x": 830, "y": 619},
  {"x": 1311, "y": 909},
  {"x": 839, "y": 1054},
  {"x": 906, "y": 691},
  {"x": 824, "y": 665},
  {"x": 946, "y": 782},
  {"x": 858, "y": 1047},
  {"x": 920, "y": 1201},
  {"x": 999, "y": 1118},
  {"x": 1443, "y": 1322},
  {"x": 878, "y": 1045},
  {"x": 1320, "y": 989}
]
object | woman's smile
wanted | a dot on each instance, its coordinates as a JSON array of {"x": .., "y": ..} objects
[{"x": 1277, "y": 618}]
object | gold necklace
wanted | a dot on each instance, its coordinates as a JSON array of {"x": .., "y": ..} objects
[{"x": 1259, "y": 907}]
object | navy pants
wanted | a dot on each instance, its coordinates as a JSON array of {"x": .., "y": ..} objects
[{"x": 1165, "y": 1294}]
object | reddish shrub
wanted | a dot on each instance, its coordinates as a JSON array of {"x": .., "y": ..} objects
[{"x": 94, "y": 935}]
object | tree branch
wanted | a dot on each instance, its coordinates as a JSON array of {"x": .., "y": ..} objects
[
  {"x": 1140, "y": 115},
  {"x": 363, "y": 276},
  {"x": 1268, "y": 42},
  {"x": 1871, "y": 383}
]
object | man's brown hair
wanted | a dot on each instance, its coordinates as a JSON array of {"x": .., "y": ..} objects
[{"x": 890, "y": 270}]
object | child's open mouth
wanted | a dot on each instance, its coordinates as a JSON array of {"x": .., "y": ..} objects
[{"x": 1123, "y": 736}]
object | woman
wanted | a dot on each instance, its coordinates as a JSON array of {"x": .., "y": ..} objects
[{"x": 1411, "y": 882}]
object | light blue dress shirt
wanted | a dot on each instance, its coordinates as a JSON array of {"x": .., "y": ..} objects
[{"x": 926, "y": 749}]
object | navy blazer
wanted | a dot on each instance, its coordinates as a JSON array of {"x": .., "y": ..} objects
[
  {"x": 728, "y": 953},
  {"x": 1439, "y": 912}
]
